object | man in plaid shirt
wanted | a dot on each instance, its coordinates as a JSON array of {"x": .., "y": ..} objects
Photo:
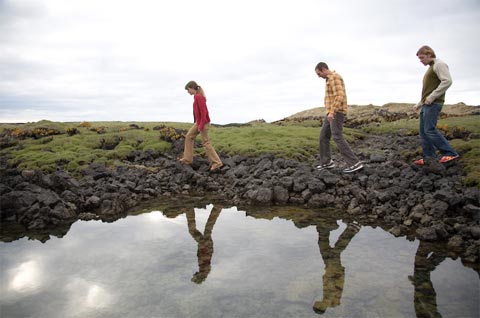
[{"x": 336, "y": 110}]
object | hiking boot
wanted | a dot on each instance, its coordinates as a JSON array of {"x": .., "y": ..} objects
[
  {"x": 353, "y": 168},
  {"x": 419, "y": 162},
  {"x": 329, "y": 165},
  {"x": 448, "y": 158}
]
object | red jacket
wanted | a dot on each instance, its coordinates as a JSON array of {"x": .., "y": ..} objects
[{"x": 200, "y": 111}]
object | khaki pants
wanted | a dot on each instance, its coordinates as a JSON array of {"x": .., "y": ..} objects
[{"x": 209, "y": 150}]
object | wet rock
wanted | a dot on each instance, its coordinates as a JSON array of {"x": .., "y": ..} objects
[
  {"x": 384, "y": 196},
  {"x": 62, "y": 181},
  {"x": 433, "y": 167},
  {"x": 418, "y": 209},
  {"x": 86, "y": 216},
  {"x": 306, "y": 194},
  {"x": 97, "y": 171},
  {"x": 280, "y": 194},
  {"x": 229, "y": 162},
  {"x": 321, "y": 200},
  {"x": 472, "y": 196},
  {"x": 441, "y": 231},
  {"x": 471, "y": 254},
  {"x": 377, "y": 158},
  {"x": 17, "y": 203},
  {"x": 240, "y": 171},
  {"x": 93, "y": 202},
  {"x": 426, "y": 234},
  {"x": 264, "y": 195},
  {"x": 475, "y": 231},
  {"x": 264, "y": 164},
  {"x": 425, "y": 184},
  {"x": 396, "y": 230},
  {"x": 28, "y": 174},
  {"x": 328, "y": 178},
  {"x": 473, "y": 211},
  {"x": 435, "y": 207},
  {"x": 455, "y": 242},
  {"x": 287, "y": 183},
  {"x": 316, "y": 186},
  {"x": 63, "y": 212},
  {"x": 353, "y": 207},
  {"x": 300, "y": 183}
]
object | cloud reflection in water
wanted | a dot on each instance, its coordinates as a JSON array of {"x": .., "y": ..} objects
[
  {"x": 85, "y": 295},
  {"x": 26, "y": 277}
]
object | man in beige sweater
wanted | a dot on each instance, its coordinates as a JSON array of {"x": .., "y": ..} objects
[{"x": 436, "y": 81}]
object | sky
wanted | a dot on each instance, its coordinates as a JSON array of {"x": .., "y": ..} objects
[{"x": 129, "y": 60}]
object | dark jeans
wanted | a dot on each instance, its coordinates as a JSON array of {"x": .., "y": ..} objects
[
  {"x": 335, "y": 129},
  {"x": 430, "y": 137}
]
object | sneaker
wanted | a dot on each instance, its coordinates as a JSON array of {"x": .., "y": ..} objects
[
  {"x": 419, "y": 162},
  {"x": 448, "y": 158},
  {"x": 329, "y": 165},
  {"x": 353, "y": 168}
]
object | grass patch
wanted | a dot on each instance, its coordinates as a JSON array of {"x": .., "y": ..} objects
[
  {"x": 72, "y": 153},
  {"x": 115, "y": 141},
  {"x": 292, "y": 142},
  {"x": 470, "y": 156},
  {"x": 411, "y": 126},
  {"x": 297, "y": 142}
]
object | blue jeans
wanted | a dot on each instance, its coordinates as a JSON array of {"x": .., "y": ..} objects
[{"x": 430, "y": 137}]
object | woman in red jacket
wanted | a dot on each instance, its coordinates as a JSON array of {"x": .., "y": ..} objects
[{"x": 201, "y": 126}]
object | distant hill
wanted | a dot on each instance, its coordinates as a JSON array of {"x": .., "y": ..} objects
[
  {"x": 459, "y": 109},
  {"x": 361, "y": 114}
]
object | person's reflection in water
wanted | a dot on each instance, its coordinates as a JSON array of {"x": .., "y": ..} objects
[
  {"x": 205, "y": 242},
  {"x": 334, "y": 276},
  {"x": 428, "y": 257}
]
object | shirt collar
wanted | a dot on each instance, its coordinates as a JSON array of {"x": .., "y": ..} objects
[{"x": 330, "y": 75}]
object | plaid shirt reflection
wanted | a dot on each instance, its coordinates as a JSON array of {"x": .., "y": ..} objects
[{"x": 335, "y": 95}]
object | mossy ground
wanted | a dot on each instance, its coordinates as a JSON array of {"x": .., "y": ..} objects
[
  {"x": 298, "y": 141},
  {"x": 291, "y": 141}
]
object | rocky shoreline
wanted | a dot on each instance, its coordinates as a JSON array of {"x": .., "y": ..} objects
[{"x": 429, "y": 201}]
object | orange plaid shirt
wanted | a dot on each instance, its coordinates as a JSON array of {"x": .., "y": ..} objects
[{"x": 335, "y": 95}]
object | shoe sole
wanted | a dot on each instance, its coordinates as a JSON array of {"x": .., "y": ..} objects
[
  {"x": 453, "y": 159},
  {"x": 353, "y": 170},
  {"x": 323, "y": 168}
]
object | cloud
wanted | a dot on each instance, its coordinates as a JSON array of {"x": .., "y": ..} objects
[{"x": 125, "y": 60}]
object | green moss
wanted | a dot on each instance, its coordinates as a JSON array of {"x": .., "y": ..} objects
[
  {"x": 286, "y": 141},
  {"x": 298, "y": 141},
  {"x": 470, "y": 157},
  {"x": 74, "y": 152}
]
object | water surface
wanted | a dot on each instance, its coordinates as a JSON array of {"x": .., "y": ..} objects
[{"x": 225, "y": 262}]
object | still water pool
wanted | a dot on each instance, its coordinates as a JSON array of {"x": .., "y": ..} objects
[{"x": 225, "y": 262}]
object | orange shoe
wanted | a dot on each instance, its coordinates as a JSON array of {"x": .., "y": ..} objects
[
  {"x": 448, "y": 158},
  {"x": 419, "y": 162}
]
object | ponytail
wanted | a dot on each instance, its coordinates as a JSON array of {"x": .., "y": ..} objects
[{"x": 196, "y": 87}]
